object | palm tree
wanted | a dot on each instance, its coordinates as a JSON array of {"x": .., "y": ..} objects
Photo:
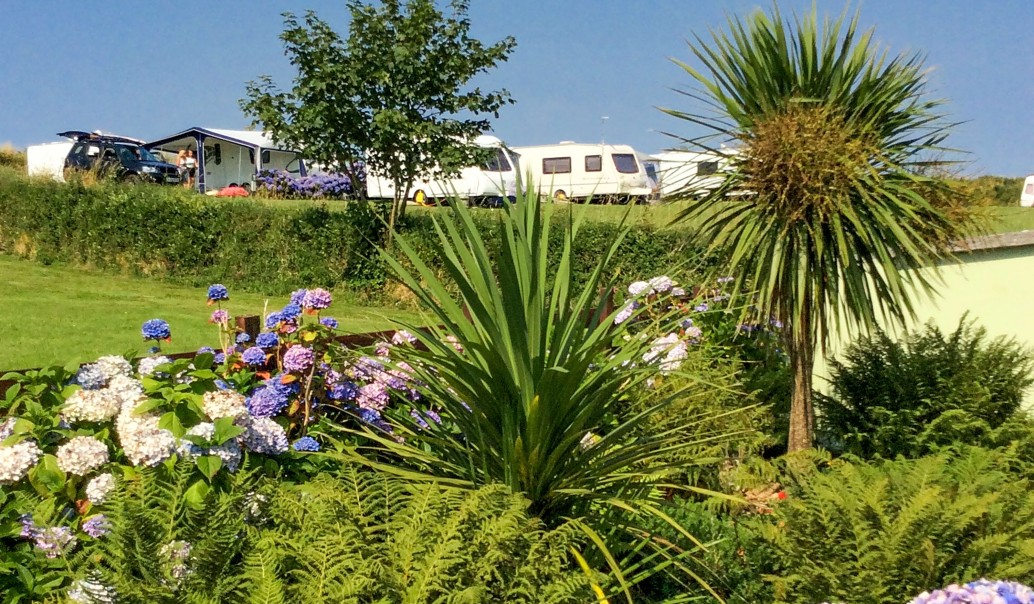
[{"x": 835, "y": 192}]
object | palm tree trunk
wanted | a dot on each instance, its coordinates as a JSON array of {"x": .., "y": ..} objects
[{"x": 802, "y": 412}]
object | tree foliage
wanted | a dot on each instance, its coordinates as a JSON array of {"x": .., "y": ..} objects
[
  {"x": 394, "y": 96},
  {"x": 829, "y": 200}
]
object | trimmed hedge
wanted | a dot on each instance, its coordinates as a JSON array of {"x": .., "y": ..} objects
[{"x": 180, "y": 236}]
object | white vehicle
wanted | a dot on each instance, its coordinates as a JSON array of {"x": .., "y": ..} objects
[
  {"x": 48, "y": 159},
  {"x": 686, "y": 174},
  {"x": 487, "y": 184},
  {"x": 1026, "y": 195},
  {"x": 580, "y": 171}
]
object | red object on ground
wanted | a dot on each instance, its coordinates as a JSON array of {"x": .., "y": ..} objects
[{"x": 232, "y": 192}]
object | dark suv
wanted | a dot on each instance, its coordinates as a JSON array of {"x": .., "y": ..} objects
[{"x": 119, "y": 157}]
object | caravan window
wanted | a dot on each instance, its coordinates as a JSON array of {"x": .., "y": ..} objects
[
  {"x": 499, "y": 163},
  {"x": 705, "y": 168},
  {"x": 625, "y": 163},
  {"x": 1029, "y": 189},
  {"x": 556, "y": 165},
  {"x": 593, "y": 163}
]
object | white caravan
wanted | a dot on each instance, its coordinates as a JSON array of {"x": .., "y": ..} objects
[
  {"x": 687, "y": 174},
  {"x": 579, "y": 171},
  {"x": 489, "y": 183},
  {"x": 48, "y": 160},
  {"x": 1027, "y": 194}
]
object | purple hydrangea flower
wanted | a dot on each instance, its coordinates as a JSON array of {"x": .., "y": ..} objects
[
  {"x": 330, "y": 322},
  {"x": 1006, "y": 592},
  {"x": 267, "y": 339},
  {"x": 55, "y": 541},
  {"x": 156, "y": 329},
  {"x": 702, "y": 307},
  {"x": 298, "y": 359},
  {"x": 298, "y": 295},
  {"x": 96, "y": 526},
  {"x": 374, "y": 395},
  {"x": 254, "y": 356},
  {"x": 205, "y": 350},
  {"x": 316, "y": 299},
  {"x": 219, "y": 358},
  {"x": 218, "y": 292},
  {"x": 306, "y": 443},
  {"x": 220, "y": 317}
]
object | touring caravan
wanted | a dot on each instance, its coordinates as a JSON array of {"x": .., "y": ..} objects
[
  {"x": 1027, "y": 194},
  {"x": 487, "y": 184},
  {"x": 687, "y": 174},
  {"x": 577, "y": 172}
]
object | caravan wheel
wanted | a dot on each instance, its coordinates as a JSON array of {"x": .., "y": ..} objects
[
  {"x": 421, "y": 198},
  {"x": 560, "y": 195}
]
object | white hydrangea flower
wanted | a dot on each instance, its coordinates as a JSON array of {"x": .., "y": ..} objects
[
  {"x": 223, "y": 403},
  {"x": 126, "y": 389},
  {"x": 99, "y": 487},
  {"x": 625, "y": 312},
  {"x": 146, "y": 365},
  {"x": 113, "y": 366},
  {"x": 263, "y": 435},
  {"x": 662, "y": 284},
  {"x": 81, "y": 455},
  {"x": 91, "y": 406},
  {"x": 91, "y": 591},
  {"x": 678, "y": 292},
  {"x": 638, "y": 288},
  {"x": 402, "y": 337},
  {"x": 673, "y": 349},
  {"x": 7, "y": 428},
  {"x": 176, "y": 554},
  {"x": 229, "y": 452},
  {"x": 143, "y": 442},
  {"x": 16, "y": 460}
]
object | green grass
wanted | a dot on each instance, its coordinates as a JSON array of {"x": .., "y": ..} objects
[{"x": 56, "y": 314}]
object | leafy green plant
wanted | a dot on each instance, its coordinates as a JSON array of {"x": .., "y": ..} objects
[
  {"x": 828, "y": 199},
  {"x": 926, "y": 391},
  {"x": 529, "y": 373},
  {"x": 883, "y": 532},
  {"x": 365, "y": 537}
]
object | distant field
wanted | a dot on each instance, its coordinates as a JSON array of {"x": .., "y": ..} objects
[{"x": 56, "y": 314}]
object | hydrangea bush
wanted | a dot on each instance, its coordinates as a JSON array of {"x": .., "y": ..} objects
[{"x": 283, "y": 185}]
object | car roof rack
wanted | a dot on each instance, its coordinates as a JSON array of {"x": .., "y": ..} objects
[{"x": 81, "y": 135}]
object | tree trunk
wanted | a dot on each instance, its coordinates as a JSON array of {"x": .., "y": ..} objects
[{"x": 802, "y": 413}]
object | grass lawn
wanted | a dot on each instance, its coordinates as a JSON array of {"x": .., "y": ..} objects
[{"x": 56, "y": 314}]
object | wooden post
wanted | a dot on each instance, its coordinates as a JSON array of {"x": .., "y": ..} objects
[{"x": 250, "y": 325}]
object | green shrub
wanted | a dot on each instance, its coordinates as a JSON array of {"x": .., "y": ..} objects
[
  {"x": 881, "y": 533},
  {"x": 927, "y": 391},
  {"x": 12, "y": 158},
  {"x": 174, "y": 234}
]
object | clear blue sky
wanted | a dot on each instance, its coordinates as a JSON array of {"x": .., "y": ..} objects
[{"x": 150, "y": 69}]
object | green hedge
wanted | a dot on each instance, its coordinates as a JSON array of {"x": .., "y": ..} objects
[{"x": 180, "y": 236}]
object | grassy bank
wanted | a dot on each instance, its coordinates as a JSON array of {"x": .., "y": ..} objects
[{"x": 58, "y": 314}]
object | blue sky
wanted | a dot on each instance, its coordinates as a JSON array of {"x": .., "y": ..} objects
[{"x": 150, "y": 69}]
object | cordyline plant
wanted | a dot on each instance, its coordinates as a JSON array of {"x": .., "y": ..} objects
[
  {"x": 834, "y": 196},
  {"x": 529, "y": 375}
]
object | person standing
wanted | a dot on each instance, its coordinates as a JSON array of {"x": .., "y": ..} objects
[
  {"x": 179, "y": 164},
  {"x": 189, "y": 165}
]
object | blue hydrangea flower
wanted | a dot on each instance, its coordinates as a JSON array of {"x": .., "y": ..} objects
[
  {"x": 298, "y": 295},
  {"x": 273, "y": 319},
  {"x": 298, "y": 359},
  {"x": 702, "y": 307},
  {"x": 271, "y": 398},
  {"x": 267, "y": 339},
  {"x": 291, "y": 311},
  {"x": 206, "y": 349},
  {"x": 254, "y": 356},
  {"x": 344, "y": 391},
  {"x": 306, "y": 443},
  {"x": 330, "y": 322},
  {"x": 90, "y": 377},
  {"x": 243, "y": 338},
  {"x": 219, "y": 357},
  {"x": 156, "y": 329},
  {"x": 222, "y": 385},
  {"x": 218, "y": 292},
  {"x": 96, "y": 526}
]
